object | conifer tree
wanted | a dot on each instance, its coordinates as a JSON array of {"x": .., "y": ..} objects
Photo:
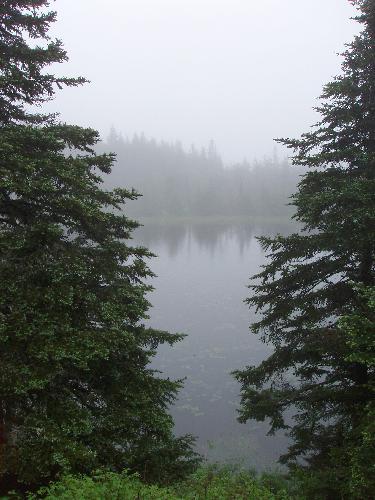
[
  {"x": 308, "y": 282},
  {"x": 357, "y": 458},
  {"x": 76, "y": 389}
]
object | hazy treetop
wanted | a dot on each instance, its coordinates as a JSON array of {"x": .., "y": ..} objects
[{"x": 240, "y": 72}]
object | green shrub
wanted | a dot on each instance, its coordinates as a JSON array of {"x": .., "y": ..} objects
[
  {"x": 208, "y": 483},
  {"x": 103, "y": 486},
  {"x": 217, "y": 482}
]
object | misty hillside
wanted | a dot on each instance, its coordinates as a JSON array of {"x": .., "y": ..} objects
[{"x": 196, "y": 183}]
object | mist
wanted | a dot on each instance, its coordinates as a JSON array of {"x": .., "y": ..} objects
[
  {"x": 237, "y": 72},
  {"x": 174, "y": 182}
]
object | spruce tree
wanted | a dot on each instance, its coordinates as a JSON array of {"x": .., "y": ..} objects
[
  {"x": 309, "y": 280},
  {"x": 357, "y": 456},
  {"x": 76, "y": 389}
]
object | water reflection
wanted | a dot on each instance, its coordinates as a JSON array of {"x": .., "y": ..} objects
[
  {"x": 207, "y": 235},
  {"x": 203, "y": 270}
]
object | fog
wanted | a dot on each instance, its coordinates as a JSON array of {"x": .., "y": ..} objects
[
  {"x": 175, "y": 182},
  {"x": 226, "y": 76},
  {"x": 202, "y": 272},
  {"x": 239, "y": 72}
]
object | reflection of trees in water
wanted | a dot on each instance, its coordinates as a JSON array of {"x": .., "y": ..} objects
[
  {"x": 210, "y": 236},
  {"x": 153, "y": 235}
]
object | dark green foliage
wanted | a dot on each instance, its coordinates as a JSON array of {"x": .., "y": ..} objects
[
  {"x": 354, "y": 458},
  {"x": 22, "y": 62},
  {"x": 307, "y": 284},
  {"x": 359, "y": 457},
  {"x": 76, "y": 391}
]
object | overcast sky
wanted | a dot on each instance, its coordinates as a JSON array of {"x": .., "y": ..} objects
[{"x": 240, "y": 72}]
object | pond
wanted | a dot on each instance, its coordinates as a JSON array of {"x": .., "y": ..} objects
[{"x": 203, "y": 269}]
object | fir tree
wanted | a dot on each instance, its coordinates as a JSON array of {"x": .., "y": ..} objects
[
  {"x": 22, "y": 78},
  {"x": 76, "y": 389},
  {"x": 358, "y": 459},
  {"x": 307, "y": 284}
]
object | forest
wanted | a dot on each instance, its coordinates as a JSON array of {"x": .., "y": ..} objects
[
  {"x": 83, "y": 411},
  {"x": 196, "y": 183}
]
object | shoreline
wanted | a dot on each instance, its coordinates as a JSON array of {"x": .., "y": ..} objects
[{"x": 213, "y": 219}]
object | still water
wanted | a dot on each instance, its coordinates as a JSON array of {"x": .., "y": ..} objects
[{"x": 203, "y": 270}]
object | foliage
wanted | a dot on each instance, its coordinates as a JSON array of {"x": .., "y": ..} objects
[
  {"x": 23, "y": 80},
  {"x": 218, "y": 482},
  {"x": 76, "y": 389},
  {"x": 359, "y": 328},
  {"x": 206, "y": 483},
  {"x": 307, "y": 284},
  {"x": 103, "y": 486}
]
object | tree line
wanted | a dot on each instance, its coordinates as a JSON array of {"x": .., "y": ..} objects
[{"x": 176, "y": 182}]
